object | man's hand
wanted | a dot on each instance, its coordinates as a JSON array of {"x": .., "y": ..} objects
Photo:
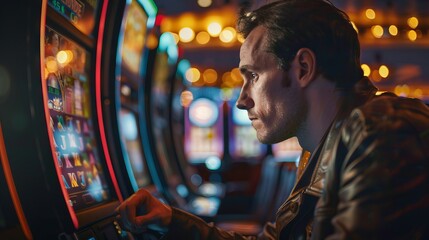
[{"x": 142, "y": 210}]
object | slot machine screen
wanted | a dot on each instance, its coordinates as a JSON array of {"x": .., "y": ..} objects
[
  {"x": 134, "y": 37},
  {"x": 67, "y": 72},
  {"x": 131, "y": 138},
  {"x": 81, "y": 13},
  {"x": 288, "y": 151},
  {"x": 244, "y": 140},
  {"x": 203, "y": 136}
]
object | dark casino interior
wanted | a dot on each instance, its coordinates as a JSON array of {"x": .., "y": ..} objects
[{"x": 100, "y": 98}]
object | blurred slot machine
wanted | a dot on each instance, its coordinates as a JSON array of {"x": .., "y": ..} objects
[
  {"x": 13, "y": 223},
  {"x": 181, "y": 98},
  {"x": 203, "y": 144},
  {"x": 204, "y": 132},
  {"x": 289, "y": 153},
  {"x": 162, "y": 59},
  {"x": 124, "y": 69},
  {"x": 71, "y": 89},
  {"x": 243, "y": 142},
  {"x": 171, "y": 174},
  {"x": 204, "y": 128}
]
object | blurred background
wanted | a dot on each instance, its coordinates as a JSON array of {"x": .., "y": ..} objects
[{"x": 393, "y": 34}]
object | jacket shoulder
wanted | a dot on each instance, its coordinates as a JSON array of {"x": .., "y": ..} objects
[{"x": 385, "y": 115}]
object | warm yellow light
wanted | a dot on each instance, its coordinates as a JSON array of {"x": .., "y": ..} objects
[
  {"x": 186, "y": 98},
  {"x": 240, "y": 38},
  {"x": 393, "y": 30},
  {"x": 383, "y": 71},
  {"x": 210, "y": 76},
  {"x": 186, "y": 34},
  {"x": 375, "y": 75},
  {"x": 64, "y": 57},
  {"x": 152, "y": 41},
  {"x": 366, "y": 70},
  {"x": 236, "y": 76},
  {"x": 413, "y": 22},
  {"x": 214, "y": 29},
  {"x": 203, "y": 37},
  {"x": 226, "y": 78},
  {"x": 418, "y": 93},
  {"x": 51, "y": 64},
  {"x": 354, "y": 26},
  {"x": 377, "y": 31},
  {"x": 403, "y": 90},
  {"x": 227, "y": 35},
  {"x": 412, "y": 35},
  {"x": 204, "y": 3},
  {"x": 370, "y": 13},
  {"x": 192, "y": 75}
]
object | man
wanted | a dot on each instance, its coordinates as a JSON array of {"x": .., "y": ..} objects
[{"x": 368, "y": 174}]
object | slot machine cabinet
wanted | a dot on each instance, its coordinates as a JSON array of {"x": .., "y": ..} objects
[
  {"x": 13, "y": 223},
  {"x": 243, "y": 172},
  {"x": 57, "y": 154},
  {"x": 203, "y": 121},
  {"x": 124, "y": 68},
  {"x": 181, "y": 98},
  {"x": 158, "y": 92},
  {"x": 203, "y": 143}
]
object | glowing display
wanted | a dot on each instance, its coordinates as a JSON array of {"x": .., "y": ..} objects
[
  {"x": 240, "y": 117},
  {"x": 71, "y": 122},
  {"x": 203, "y": 112},
  {"x": 134, "y": 160},
  {"x": 204, "y": 126},
  {"x": 244, "y": 143},
  {"x": 288, "y": 150},
  {"x": 81, "y": 13},
  {"x": 134, "y": 37}
]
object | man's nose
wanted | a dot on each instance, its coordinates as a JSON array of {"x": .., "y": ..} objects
[{"x": 244, "y": 101}]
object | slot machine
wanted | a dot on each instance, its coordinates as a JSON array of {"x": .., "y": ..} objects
[
  {"x": 181, "y": 98},
  {"x": 64, "y": 177},
  {"x": 124, "y": 69},
  {"x": 159, "y": 91},
  {"x": 243, "y": 143},
  {"x": 13, "y": 223},
  {"x": 162, "y": 61},
  {"x": 204, "y": 128}
]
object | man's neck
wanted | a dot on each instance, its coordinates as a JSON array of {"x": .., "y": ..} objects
[{"x": 323, "y": 105}]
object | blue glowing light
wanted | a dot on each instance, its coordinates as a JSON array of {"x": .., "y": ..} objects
[
  {"x": 128, "y": 125},
  {"x": 213, "y": 163},
  {"x": 168, "y": 44},
  {"x": 151, "y": 10},
  {"x": 240, "y": 117}
]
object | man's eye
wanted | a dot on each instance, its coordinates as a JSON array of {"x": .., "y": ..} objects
[{"x": 253, "y": 76}]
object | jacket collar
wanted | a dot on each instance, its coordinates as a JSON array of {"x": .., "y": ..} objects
[{"x": 316, "y": 168}]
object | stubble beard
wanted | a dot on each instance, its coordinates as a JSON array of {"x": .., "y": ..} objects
[{"x": 290, "y": 125}]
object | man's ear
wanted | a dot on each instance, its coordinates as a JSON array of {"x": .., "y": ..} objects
[{"x": 305, "y": 61}]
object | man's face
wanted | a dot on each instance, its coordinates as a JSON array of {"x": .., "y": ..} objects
[{"x": 272, "y": 97}]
